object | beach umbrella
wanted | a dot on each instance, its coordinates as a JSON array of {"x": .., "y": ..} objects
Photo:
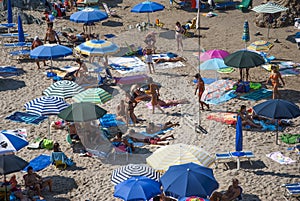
[
  {"x": 12, "y": 140},
  {"x": 82, "y": 112},
  {"x": 269, "y": 8},
  {"x": 176, "y": 154},
  {"x": 20, "y": 30},
  {"x": 189, "y": 179},
  {"x": 213, "y": 64},
  {"x": 244, "y": 59},
  {"x": 137, "y": 188},
  {"x": 88, "y": 15},
  {"x": 63, "y": 89},
  {"x": 212, "y": 54},
  {"x": 277, "y": 109},
  {"x": 97, "y": 48},
  {"x": 50, "y": 51},
  {"x": 246, "y": 35},
  {"x": 93, "y": 95},
  {"x": 9, "y": 23},
  {"x": 10, "y": 163},
  {"x": 125, "y": 172},
  {"x": 238, "y": 141},
  {"x": 260, "y": 45},
  {"x": 147, "y": 7}
]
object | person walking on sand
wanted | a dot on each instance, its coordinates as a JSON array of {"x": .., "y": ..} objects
[
  {"x": 37, "y": 42},
  {"x": 200, "y": 88},
  {"x": 148, "y": 51},
  {"x": 178, "y": 35},
  {"x": 154, "y": 91},
  {"x": 274, "y": 77}
]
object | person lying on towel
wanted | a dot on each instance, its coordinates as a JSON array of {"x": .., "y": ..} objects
[
  {"x": 152, "y": 128},
  {"x": 122, "y": 143},
  {"x": 246, "y": 118},
  {"x": 138, "y": 137}
]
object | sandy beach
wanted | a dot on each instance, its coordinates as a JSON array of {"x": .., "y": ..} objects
[{"x": 90, "y": 178}]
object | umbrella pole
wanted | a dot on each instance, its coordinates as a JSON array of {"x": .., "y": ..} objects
[
  {"x": 276, "y": 137},
  {"x": 5, "y": 189},
  {"x": 49, "y": 127},
  {"x": 148, "y": 19},
  {"x": 238, "y": 163}
]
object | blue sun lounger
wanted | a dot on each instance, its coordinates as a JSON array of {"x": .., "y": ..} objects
[
  {"x": 229, "y": 156},
  {"x": 18, "y": 44},
  {"x": 291, "y": 190}
]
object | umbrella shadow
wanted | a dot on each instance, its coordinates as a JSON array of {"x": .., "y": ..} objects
[
  {"x": 111, "y": 23},
  {"x": 286, "y": 175},
  {"x": 139, "y": 156},
  {"x": 11, "y": 84},
  {"x": 290, "y": 95},
  {"x": 68, "y": 184},
  {"x": 170, "y": 34},
  {"x": 121, "y": 52},
  {"x": 110, "y": 90},
  {"x": 60, "y": 199},
  {"x": 256, "y": 164},
  {"x": 250, "y": 197},
  {"x": 291, "y": 38}
]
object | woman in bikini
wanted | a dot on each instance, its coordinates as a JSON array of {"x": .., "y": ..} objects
[
  {"x": 274, "y": 77},
  {"x": 154, "y": 91},
  {"x": 200, "y": 88}
]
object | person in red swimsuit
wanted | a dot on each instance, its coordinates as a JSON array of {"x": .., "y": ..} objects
[
  {"x": 274, "y": 77},
  {"x": 201, "y": 88}
]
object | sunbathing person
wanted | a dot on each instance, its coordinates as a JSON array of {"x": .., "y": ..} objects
[
  {"x": 138, "y": 137},
  {"x": 246, "y": 118},
  {"x": 152, "y": 128},
  {"x": 82, "y": 37},
  {"x": 173, "y": 59},
  {"x": 119, "y": 141},
  {"x": 139, "y": 94},
  {"x": 35, "y": 182},
  {"x": 234, "y": 191}
]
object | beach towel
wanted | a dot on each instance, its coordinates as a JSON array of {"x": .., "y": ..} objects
[
  {"x": 207, "y": 80},
  {"x": 39, "y": 163},
  {"x": 257, "y": 95},
  {"x": 290, "y": 138},
  {"x": 161, "y": 132},
  {"x": 226, "y": 70},
  {"x": 127, "y": 64},
  {"x": 223, "y": 117},
  {"x": 109, "y": 120},
  {"x": 7, "y": 71},
  {"x": 254, "y": 85},
  {"x": 290, "y": 72},
  {"x": 280, "y": 158},
  {"x": 26, "y": 118},
  {"x": 134, "y": 79},
  {"x": 223, "y": 98},
  {"x": 217, "y": 89}
]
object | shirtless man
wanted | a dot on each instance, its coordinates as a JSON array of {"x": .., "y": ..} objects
[
  {"x": 233, "y": 192},
  {"x": 36, "y": 182},
  {"x": 51, "y": 36},
  {"x": 37, "y": 42},
  {"x": 247, "y": 119}
]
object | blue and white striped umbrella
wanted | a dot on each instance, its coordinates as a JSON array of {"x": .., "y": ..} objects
[
  {"x": 97, "y": 48},
  {"x": 131, "y": 170},
  {"x": 46, "y": 105},
  {"x": 12, "y": 140},
  {"x": 63, "y": 89}
]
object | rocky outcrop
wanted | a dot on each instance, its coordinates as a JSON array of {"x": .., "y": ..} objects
[{"x": 280, "y": 19}]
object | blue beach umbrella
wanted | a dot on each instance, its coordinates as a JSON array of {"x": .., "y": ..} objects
[
  {"x": 97, "y": 48},
  {"x": 213, "y": 64},
  {"x": 238, "y": 141},
  {"x": 188, "y": 180},
  {"x": 12, "y": 141},
  {"x": 88, "y": 15},
  {"x": 137, "y": 188},
  {"x": 147, "y": 7},
  {"x": 246, "y": 35}
]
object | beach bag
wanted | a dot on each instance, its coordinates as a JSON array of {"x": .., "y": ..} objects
[
  {"x": 290, "y": 139},
  {"x": 47, "y": 144}
]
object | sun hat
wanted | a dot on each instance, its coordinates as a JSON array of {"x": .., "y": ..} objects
[{"x": 36, "y": 37}]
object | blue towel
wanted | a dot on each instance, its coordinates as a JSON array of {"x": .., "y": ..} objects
[
  {"x": 20, "y": 52},
  {"x": 26, "y": 118},
  {"x": 257, "y": 95},
  {"x": 38, "y": 163},
  {"x": 225, "y": 97},
  {"x": 109, "y": 120},
  {"x": 61, "y": 156}
]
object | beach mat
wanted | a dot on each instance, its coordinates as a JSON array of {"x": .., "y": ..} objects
[
  {"x": 257, "y": 95},
  {"x": 223, "y": 98},
  {"x": 223, "y": 117},
  {"x": 109, "y": 120},
  {"x": 161, "y": 132},
  {"x": 26, "y": 118},
  {"x": 290, "y": 72},
  {"x": 127, "y": 64},
  {"x": 7, "y": 71},
  {"x": 226, "y": 70},
  {"x": 280, "y": 158},
  {"x": 39, "y": 163}
]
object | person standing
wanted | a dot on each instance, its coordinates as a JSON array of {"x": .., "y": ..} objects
[
  {"x": 148, "y": 58},
  {"x": 37, "y": 42},
  {"x": 275, "y": 77},
  {"x": 178, "y": 35},
  {"x": 51, "y": 36},
  {"x": 154, "y": 91},
  {"x": 200, "y": 88}
]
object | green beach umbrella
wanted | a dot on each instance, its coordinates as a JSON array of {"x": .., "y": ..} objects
[
  {"x": 81, "y": 112},
  {"x": 93, "y": 95},
  {"x": 244, "y": 59}
]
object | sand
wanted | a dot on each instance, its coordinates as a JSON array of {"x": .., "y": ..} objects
[{"x": 90, "y": 178}]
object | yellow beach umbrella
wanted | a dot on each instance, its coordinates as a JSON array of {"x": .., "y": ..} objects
[
  {"x": 177, "y": 154},
  {"x": 260, "y": 45}
]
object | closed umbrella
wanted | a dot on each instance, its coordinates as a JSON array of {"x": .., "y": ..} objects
[
  {"x": 147, "y": 7},
  {"x": 212, "y": 54},
  {"x": 238, "y": 141},
  {"x": 277, "y": 109},
  {"x": 177, "y": 154},
  {"x": 93, "y": 95},
  {"x": 12, "y": 140},
  {"x": 97, "y": 48},
  {"x": 260, "y": 45},
  {"x": 63, "y": 89},
  {"x": 244, "y": 59},
  {"x": 82, "y": 112},
  {"x": 9, "y": 23},
  {"x": 246, "y": 35},
  {"x": 189, "y": 180},
  {"x": 269, "y": 8},
  {"x": 137, "y": 188},
  {"x": 125, "y": 172}
]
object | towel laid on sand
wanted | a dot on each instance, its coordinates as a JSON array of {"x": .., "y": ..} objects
[
  {"x": 26, "y": 118},
  {"x": 161, "y": 132},
  {"x": 223, "y": 98},
  {"x": 109, "y": 120},
  {"x": 257, "y": 95},
  {"x": 223, "y": 117},
  {"x": 127, "y": 64},
  {"x": 38, "y": 163},
  {"x": 7, "y": 71},
  {"x": 280, "y": 158}
]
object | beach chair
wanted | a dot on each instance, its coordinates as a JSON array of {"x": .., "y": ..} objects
[
  {"x": 112, "y": 13},
  {"x": 291, "y": 191},
  {"x": 229, "y": 156},
  {"x": 244, "y": 5},
  {"x": 59, "y": 160}
]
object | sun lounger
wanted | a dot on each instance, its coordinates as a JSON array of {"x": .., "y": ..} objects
[
  {"x": 229, "y": 156},
  {"x": 291, "y": 190},
  {"x": 109, "y": 12},
  {"x": 297, "y": 39},
  {"x": 18, "y": 44},
  {"x": 225, "y": 5}
]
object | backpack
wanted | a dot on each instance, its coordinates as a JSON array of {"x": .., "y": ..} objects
[{"x": 47, "y": 144}]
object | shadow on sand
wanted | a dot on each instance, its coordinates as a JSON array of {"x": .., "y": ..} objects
[{"x": 11, "y": 84}]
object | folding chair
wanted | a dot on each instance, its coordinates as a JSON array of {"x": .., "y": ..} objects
[
  {"x": 291, "y": 190},
  {"x": 222, "y": 157}
]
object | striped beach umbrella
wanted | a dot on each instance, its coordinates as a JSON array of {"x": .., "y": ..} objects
[
  {"x": 97, "y": 48},
  {"x": 12, "y": 140},
  {"x": 177, "y": 154},
  {"x": 93, "y": 95},
  {"x": 63, "y": 89},
  {"x": 46, "y": 105},
  {"x": 246, "y": 35},
  {"x": 125, "y": 172},
  {"x": 260, "y": 45}
]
